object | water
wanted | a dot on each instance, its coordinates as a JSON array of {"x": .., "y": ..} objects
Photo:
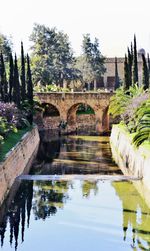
[{"x": 79, "y": 214}]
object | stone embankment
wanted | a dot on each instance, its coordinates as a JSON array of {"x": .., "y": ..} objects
[
  {"x": 18, "y": 161},
  {"x": 131, "y": 160}
]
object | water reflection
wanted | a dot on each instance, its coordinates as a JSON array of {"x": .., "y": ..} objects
[
  {"x": 136, "y": 215},
  {"x": 91, "y": 204},
  {"x": 75, "y": 155},
  {"x": 44, "y": 198},
  {"x": 17, "y": 213},
  {"x": 48, "y": 196}
]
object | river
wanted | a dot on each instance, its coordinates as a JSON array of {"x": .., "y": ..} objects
[{"x": 75, "y": 199}]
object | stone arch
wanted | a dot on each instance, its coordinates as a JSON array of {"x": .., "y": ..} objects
[
  {"x": 51, "y": 116},
  {"x": 73, "y": 120}
]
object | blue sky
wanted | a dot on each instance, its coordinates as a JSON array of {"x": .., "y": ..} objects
[{"x": 113, "y": 22}]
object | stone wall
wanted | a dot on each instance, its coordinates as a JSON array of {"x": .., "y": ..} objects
[
  {"x": 18, "y": 161},
  {"x": 132, "y": 161}
]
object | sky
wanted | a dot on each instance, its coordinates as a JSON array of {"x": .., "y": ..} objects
[{"x": 113, "y": 22}]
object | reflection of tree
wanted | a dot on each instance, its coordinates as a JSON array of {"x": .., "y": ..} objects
[
  {"x": 48, "y": 196},
  {"x": 88, "y": 186},
  {"x": 135, "y": 214},
  {"x": 45, "y": 199},
  {"x": 16, "y": 213}
]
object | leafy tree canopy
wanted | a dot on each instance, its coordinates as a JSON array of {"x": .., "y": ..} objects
[
  {"x": 5, "y": 46},
  {"x": 91, "y": 63},
  {"x": 52, "y": 56}
]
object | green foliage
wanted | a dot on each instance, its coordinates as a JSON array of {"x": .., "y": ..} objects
[
  {"x": 117, "y": 81},
  {"x": 16, "y": 83},
  {"x": 135, "y": 64},
  {"x": 118, "y": 102},
  {"x": 50, "y": 88},
  {"x": 11, "y": 140},
  {"x": 91, "y": 63},
  {"x": 11, "y": 77},
  {"x": 23, "y": 81},
  {"x": 5, "y": 46},
  {"x": 145, "y": 73},
  {"x": 126, "y": 83},
  {"x": 52, "y": 55},
  {"x": 143, "y": 124}
]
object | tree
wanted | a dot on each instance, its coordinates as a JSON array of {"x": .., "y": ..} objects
[
  {"x": 91, "y": 63},
  {"x": 148, "y": 61},
  {"x": 23, "y": 81},
  {"x": 11, "y": 76},
  {"x": 5, "y": 46},
  {"x": 51, "y": 55},
  {"x": 16, "y": 89},
  {"x": 126, "y": 74},
  {"x": 3, "y": 80},
  {"x": 29, "y": 90},
  {"x": 130, "y": 63},
  {"x": 135, "y": 64},
  {"x": 145, "y": 73},
  {"x": 117, "y": 82}
]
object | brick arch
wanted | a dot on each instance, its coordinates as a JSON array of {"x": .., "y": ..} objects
[
  {"x": 51, "y": 121},
  {"x": 52, "y": 104},
  {"x": 71, "y": 113},
  {"x": 46, "y": 106},
  {"x": 67, "y": 104}
]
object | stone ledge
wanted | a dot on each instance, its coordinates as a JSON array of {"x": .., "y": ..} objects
[
  {"x": 132, "y": 161},
  {"x": 18, "y": 160}
]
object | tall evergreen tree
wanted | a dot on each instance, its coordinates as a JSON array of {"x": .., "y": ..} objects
[
  {"x": 132, "y": 54},
  {"x": 145, "y": 80},
  {"x": 130, "y": 61},
  {"x": 148, "y": 61},
  {"x": 117, "y": 82},
  {"x": 16, "y": 89},
  {"x": 11, "y": 77},
  {"x": 135, "y": 63},
  {"x": 3, "y": 80},
  {"x": 126, "y": 74},
  {"x": 29, "y": 89},
  {"x": 23, "y": 82}
]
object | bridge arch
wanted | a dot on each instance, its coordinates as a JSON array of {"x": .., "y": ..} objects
[
  {"x": 50, "y": 116},
  {"x": 77, "y": 121},
  {"x": 68, "y": 103}
]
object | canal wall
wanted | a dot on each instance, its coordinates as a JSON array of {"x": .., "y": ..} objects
[
  {"x": 17, "y": 161},
  {"x": 131, "y": 160}
]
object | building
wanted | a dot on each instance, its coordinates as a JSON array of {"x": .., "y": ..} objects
[{"x": 108, "y": 79}]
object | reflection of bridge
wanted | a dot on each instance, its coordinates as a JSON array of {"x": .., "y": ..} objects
[{"x": 68, "y": 103}]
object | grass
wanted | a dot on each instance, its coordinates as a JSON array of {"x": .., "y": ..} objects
[{"x": 11, "y": 140}]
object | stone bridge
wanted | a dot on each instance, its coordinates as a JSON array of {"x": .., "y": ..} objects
[{"x": 68, "y": 103}]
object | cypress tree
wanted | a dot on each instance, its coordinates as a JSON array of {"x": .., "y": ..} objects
[
  {"x": 16, "y": 89},
  {"x": 23, "y": 83},
  {"x": 135, "y": 64},
  {"x": 3, "y": 80},
  {"x": 132, "y": 54},
  {"x": 126, "y": 74},
  {"x": 148, "y": 61},
  {"x": 29, "y": 89},
  {"x": 130, "y": 60},
  {"x": 117, "y": 82},
  {"x": 11, "y": 76},
  {"x": 145, "y": 80}
]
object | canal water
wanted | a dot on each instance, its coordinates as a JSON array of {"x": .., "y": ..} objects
[{"x": 75, "y": 208}]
